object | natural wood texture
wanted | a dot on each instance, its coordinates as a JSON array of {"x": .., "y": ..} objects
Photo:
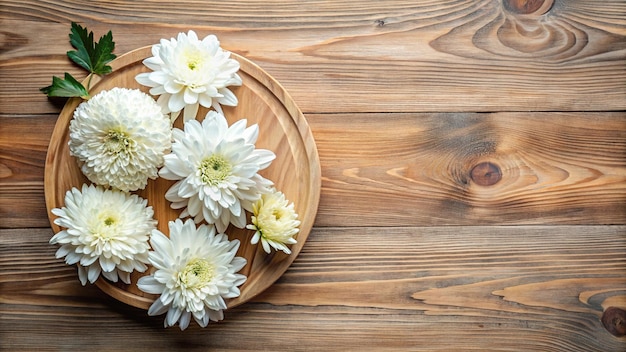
[
  {"x": 492, "y": 288},
  {"x": 473, "y": 157},
  {"x": 23, "y": 144},
  {"x": 282, "y": 129},
  {"x": 365, "y": 56},
  {"x": 408, "y": 169}
]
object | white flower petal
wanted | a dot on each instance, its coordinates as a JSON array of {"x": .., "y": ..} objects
[
  {"x": 160, "y": 244},
  {"x": 174, "y": 88},
  {"x": 257, "y": 236},
  {"x": 172, "y": 316},
  {"x": 124, "y": 276},
  {"x": 158, "y": 90},
  {"x": 107, "y": 264},
  {"x": 144, "y": 79},
  {"x": 154, "y": 62},
  {"x": 110, "y": 275},
  {"x": 266, "y": 246},
  {"x": 264, "y": 158},
  {"x": 202, "y": 320},
  {"x": 205, "y": 100},
  {"x": 158, "y": 78},
  {"x": 191, "y": 36},
  {"x": 194, "y": 205},
  {"x": 157, "y": 308},
  {"x": 149, "y": 285},
  {"x": 190, "y": 97},
  {"x": 228, "y": 98},
  {"x": 82, "y": 275},
  {"x": 190, "y": 112},
  {"x": 176, "y": 102},
  {"x": 185, "y": 318},
  {"x": 93, "y": 271},
  {"x": 172, "y": 193}
]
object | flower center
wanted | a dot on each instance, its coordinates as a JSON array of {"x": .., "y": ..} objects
[
  {"x": 192, "y": 64},
  {"x": 104, "y": 232},
  {"x": 104, "y": 227},
  {"x": 193, "y": 59},
  {"x": 197, "y": 273},
  {"x": 214, "y": 169},
  {"x": 277, "y": 214},
  {"x": 117, "y": 142},
  {"x": 109, "y": 221}
]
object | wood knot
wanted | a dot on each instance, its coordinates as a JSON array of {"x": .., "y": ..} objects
[
  {"x": 486, "y": 174},
  {"x": 614, "y": 321},
  {"x": 5, "y": 171},
  {"x": 528, "y": 7}
]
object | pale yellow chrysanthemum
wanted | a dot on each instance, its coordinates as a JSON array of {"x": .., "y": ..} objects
[{"x": 275, "y": 222}]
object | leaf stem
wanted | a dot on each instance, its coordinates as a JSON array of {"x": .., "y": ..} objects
[{"x": 89, "y": 81}]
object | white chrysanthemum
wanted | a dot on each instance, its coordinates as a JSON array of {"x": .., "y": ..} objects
[
  {"x": 106, "y": 232},
  {"x": 217, "y": 168},
  {"x": 275, "y": 222},
  {"x": 119, "y": 137},
  {"x": 196, "y": 269},
  {"x": 188, "y": 72}
]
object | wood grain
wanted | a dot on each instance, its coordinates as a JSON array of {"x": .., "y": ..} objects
[
  {"x": 517, "y": 288},
  {"x": 24, "y": 141},
  {"x": 415, "y": 169},
  {"x": 369, "y": 56}
]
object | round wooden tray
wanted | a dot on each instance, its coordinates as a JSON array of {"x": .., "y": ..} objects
[{"x": 282, "y": 129}]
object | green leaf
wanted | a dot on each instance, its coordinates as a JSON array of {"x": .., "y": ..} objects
[
  {"x": 93, "y": 57},
  {"x": 68, "y": 87}
]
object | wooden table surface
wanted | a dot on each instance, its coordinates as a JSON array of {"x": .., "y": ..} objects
[{"x": 473, "y": 159}]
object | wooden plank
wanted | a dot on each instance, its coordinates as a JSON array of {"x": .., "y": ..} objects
[
  {"x": 413, "y": 169},
  {"x": 24, "y": 141},
  {"x": 417, "y": 169},
  {"x": 531, "y": 288},
  {"x": 430, "y": 57}
]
